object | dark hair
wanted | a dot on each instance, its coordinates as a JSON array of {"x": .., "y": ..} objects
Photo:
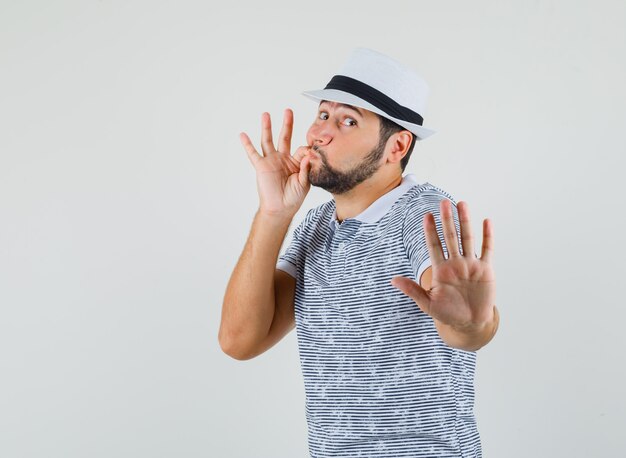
[{"x": 388, "y": 128}]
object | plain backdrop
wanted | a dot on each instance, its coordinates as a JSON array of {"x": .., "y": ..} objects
[{"x": 126, "y": 198}]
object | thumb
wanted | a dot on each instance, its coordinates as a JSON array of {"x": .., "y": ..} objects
[
  {"x": 414, "y": 291},
  {"x": 303, "y": 174},
  {"x": 300, "y": 153}
]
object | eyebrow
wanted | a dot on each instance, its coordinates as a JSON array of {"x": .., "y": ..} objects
[{"x": 346, "y": 106}]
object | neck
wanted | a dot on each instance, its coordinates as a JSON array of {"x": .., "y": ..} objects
[{"x": 355, "y": 201}]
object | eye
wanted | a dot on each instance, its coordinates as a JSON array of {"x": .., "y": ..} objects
[{"x": 322, "y": 113}]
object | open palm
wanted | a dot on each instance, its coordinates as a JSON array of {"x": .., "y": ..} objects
[{"x": 463, "y": 288}]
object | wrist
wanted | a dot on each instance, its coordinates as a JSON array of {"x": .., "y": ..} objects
[{"x": 278, "y": 216}]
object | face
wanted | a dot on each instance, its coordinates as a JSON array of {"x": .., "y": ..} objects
[{"x": 347, "y": 147}]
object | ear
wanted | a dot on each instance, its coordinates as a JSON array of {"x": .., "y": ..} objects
[{"x": 400, "y": 142}]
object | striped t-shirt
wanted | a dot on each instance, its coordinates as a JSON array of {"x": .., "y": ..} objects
[{"x": 379, "y": 381}]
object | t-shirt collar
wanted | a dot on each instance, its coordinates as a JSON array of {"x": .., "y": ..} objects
[{"x": 380, "y": 206}]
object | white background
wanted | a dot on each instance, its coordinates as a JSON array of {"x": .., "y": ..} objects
[{"x": 126, "y": 199}]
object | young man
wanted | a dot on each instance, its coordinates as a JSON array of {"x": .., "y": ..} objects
[{"x": 388, "y": 319}]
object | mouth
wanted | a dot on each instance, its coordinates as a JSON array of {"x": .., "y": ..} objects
[{"x": 314, "y": 154}]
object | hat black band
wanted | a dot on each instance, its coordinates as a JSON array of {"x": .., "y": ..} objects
[{"x": 375, "y": 97}]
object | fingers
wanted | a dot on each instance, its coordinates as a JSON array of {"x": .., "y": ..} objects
[
  {"x": 449, "y": 229},
  {"x": 284, "y": 139},
  {"x": 267, "y": 142},
  {"x": 414, "y": 291},
  {"x": 450, "y": 235},
  {"x": 487, "y": 251},
  {"x": 301, "y": 152},
  {"x": 467, "y": 238},
  {"x": 253, "y": 154},
  {"x": 303, "y": 174},
  {"x": 435, "y": 250}
]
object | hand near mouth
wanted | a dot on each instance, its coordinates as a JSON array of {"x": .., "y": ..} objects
[{"x": 282, "y": 179}]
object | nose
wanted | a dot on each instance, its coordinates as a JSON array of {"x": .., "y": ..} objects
[{"x": 319, "y": 135}]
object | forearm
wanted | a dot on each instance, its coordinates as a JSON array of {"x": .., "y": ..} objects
[
  {"x": 249, "y": 301},
  {"x": 470, "y": 338}
]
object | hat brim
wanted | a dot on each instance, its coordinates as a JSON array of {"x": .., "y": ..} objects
[{"x": 335, "y": 95}]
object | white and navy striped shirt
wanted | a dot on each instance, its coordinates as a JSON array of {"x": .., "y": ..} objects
[{"x": 379, "y": 381}]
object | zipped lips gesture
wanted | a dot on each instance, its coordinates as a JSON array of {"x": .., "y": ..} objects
[
  {"x": 282, "y": 179},
  {"x": 461, "y": 299}
]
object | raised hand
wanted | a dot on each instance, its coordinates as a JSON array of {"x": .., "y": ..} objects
[
  {"x": 282, "y": 179},
  {"x": 463, "y": 289}
]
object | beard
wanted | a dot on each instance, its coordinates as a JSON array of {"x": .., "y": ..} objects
[{"x": 339, "y": 182}]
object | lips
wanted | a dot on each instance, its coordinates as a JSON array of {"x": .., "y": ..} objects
[{"x": 314, "y": 153}]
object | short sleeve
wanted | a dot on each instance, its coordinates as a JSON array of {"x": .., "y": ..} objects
[
  {"x": 290, "y": 260},
  {"x": 413, "y": 236}
]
